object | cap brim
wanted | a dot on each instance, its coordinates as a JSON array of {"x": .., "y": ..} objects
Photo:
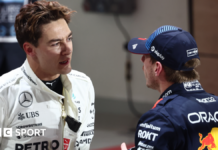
[{"x": 137, "y": 46}]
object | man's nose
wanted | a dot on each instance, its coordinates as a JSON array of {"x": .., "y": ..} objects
[
  {"x": 67, "y": 49},
  {"x": 142, "y": 59}
]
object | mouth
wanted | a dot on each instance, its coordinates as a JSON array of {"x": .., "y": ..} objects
[{"x": 64, "y": 62}]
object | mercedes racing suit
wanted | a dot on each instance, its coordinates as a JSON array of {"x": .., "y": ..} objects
[
  {"x": 184, "y": 118},
  {"x": 27, "y": 103}
]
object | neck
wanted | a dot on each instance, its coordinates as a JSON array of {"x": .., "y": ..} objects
[
  {"x": 163, "y": 85},
  {"x": 39, "y": 73}
]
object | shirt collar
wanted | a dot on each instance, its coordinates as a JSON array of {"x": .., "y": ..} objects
[{"x": 34, "y": 81}]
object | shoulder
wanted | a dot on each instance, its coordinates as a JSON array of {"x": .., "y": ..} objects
[
  {"x": 185, "y": 101},
  {"x": 10, "y": 78},
  {"x": 166, "y": 102},
  {"x": 74, "y": 74},
  {"x": 153, "y": 116},
  {"x": 172, "y": 108},
  {"x": 178, "y": 108},
  {"x": 178, "y": 101}
]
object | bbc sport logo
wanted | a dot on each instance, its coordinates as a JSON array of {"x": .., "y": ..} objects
[{"x": 8, "y": 132}]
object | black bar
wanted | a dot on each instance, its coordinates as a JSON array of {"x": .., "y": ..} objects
[{"x": 190, "y": 6}]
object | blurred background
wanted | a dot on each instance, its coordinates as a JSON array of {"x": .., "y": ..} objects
[{"x": 101, "y": 29}]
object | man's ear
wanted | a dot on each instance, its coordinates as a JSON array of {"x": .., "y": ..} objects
[
  {"x": 158, "y": 68},
  {"x": 29, "y": 49}
]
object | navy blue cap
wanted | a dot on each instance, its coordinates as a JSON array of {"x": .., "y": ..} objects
[{"x": 170, "y": 45}]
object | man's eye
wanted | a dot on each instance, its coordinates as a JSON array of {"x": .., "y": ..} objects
[
  {"x": 55, "y": 44},
  {"x": 70, "y": 38}
]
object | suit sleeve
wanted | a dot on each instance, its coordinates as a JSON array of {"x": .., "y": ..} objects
[
  {"x": 155, "y": 132},
  {"x": 90, "y": 118}
]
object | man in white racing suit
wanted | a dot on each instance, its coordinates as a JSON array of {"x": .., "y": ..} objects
[{"x": 44, "y": 104}]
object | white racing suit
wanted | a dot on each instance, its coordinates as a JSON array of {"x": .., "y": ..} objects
[{"x": 27, "y": 103}]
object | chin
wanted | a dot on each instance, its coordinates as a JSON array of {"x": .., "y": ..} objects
[
  {"x": 153, "y": 86},
  {"x": 149, "y": 86},
  {"x": 66, "y": 71}
]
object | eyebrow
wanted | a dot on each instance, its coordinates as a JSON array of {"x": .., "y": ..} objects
[{"x": 56, "y": 40}]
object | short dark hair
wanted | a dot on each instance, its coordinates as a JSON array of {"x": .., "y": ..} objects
[
  {"x": 176, "y": 76},
  {"x": 32, "y": 16}
]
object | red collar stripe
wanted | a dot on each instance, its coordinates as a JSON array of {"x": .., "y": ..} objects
[{"x": 157, "y": 103}]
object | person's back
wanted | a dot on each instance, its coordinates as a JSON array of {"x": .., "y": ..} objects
[
  {"x": 184, "y": 120},
  {"x": 185, "y": 117}
]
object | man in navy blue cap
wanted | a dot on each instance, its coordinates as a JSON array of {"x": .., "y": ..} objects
[{"x": 185, "y": 117}]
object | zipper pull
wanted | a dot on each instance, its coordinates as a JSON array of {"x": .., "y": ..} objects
[{"x": 64, "y": 115}]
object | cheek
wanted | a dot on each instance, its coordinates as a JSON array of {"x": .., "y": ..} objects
[
  {"x": 145, "y": 66},
  {"x": 145, "y": 70},
  {"x": 48, "y": 59},
  {"x": 51, "y": 54}
]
